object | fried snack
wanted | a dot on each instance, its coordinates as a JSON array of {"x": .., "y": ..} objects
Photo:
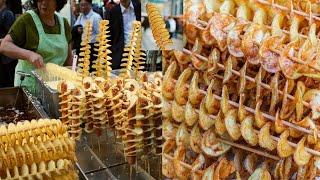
[
  {"x": 166, "y": 109},
  {"x": 247, "y": 131},
  {"x": 195, "y": 139},
  {"x": 49, "y": 141},
  {"x": 168, "y": 165},
  {"x": 77, "y": 106},
  {"x": 87, "y": 87},
  {"x": 156, "y": 119},
  {"x": 211, "y": 146},
  {"x": 179, "y": 155},
  {"x": 224, "y": 169},
  {"x": 191, "y": 116},
  {"x": 197, "y": 165},
  {"x": 158, "y": 27},
  {"x": 64, "y": 73},
  {"x": 181, "y": 91},
  {"x": 195, "y": 96},
  {"x": 129, "y": 50},
  {"x": 168, "y": 82},
  {"x": 61, "y": 169},
  {"x": 169, "y": 131},
  {"x": 260, "y": 174},
  {"x": 98, "y": 109},
  {"x": 65, "y": 101},
  {"x": 221, "y": 21},
  {"x": 139, "y": 54},
  {"x": 102, "y": 64},
  {"x": 205, "y": 121},
  {"x": 183, "y": 136},
  {"x": 283, "y": 147},
  {"x": 265, "y": 139},
  {"x": 231, "y": 124},
  {"x": 301, "y": 156},
  {"x": 250, "y": 162},
  {"x": 179, "y": 112},
  {"x": 84, "y": 64}
]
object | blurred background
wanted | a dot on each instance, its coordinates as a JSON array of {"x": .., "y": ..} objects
[{"x": 171, "y": 11}]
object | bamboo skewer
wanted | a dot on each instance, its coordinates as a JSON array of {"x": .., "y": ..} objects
[
  {"x": 205, "y": 24},
  {"x": 307, "y": 16},
  {"x": 240, "y": 146},
  {"x": 263, "y": 114},
  {"x": 247, "y": 77},
  {"x": 317, "y": 153},
  {"x": 295, "y": 59}
]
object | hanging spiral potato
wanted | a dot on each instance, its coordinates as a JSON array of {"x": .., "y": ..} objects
[{"x": 158, "y": 27}]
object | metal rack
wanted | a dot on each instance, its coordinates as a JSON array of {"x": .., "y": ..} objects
[{"x": 109, "y": 162}]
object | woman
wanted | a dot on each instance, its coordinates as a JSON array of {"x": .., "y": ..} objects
[{"x": 38, "y": 37}]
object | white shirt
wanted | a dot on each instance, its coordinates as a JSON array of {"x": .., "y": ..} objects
[
  {"x": 173, "y": 25},
  {"x": 95, "y": 18},
  {"x": 128, "y": 16}
]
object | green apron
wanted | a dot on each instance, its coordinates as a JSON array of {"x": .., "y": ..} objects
[{"x": 52, "y": 47}]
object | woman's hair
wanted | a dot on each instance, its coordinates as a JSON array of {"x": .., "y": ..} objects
[{"x": 60, "y": 4}]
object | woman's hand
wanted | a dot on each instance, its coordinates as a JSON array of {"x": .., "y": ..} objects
[{"x": 35, "y": 59}]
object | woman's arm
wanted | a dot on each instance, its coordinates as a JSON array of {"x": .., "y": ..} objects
[
  {"x": 69, "y": 59},
  {"x": 9, "y": 49}
]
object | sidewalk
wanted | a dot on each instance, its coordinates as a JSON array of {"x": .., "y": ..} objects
[{"x": 148, "y": 43}]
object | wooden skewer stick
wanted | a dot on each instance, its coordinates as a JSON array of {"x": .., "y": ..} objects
[
  {"x": 316, "y": 153},
  {"x": 204, "y": 23},
  {"x": 287, "y": 9},
  {"x": 263, "y": 114},
  {"x": 266, "y": 154},
  {"x": 247, "y": 77}
]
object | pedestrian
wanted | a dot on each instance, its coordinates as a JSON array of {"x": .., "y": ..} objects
[
  {"x": 173, "y": 26},
  {"x": 87, "y": 14},
  {"x": 120, "y": 22},
  {"x": 7, "y": 65}
]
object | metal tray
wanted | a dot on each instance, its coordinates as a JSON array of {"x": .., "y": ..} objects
[{"x": 24, "y": 101}]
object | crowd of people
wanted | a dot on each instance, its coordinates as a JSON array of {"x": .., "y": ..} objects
[{"x": 40, "y": 36}]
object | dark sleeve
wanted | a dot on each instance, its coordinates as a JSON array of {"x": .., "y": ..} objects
[
  {"x": 67, "y": 30},
  {"x": 18, "y": 29},
  {"x": 8, "y": 19}
]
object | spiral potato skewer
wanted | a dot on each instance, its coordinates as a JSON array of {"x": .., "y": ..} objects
[
  {"x": 102, "y": 64},
  {"x": 77, "y": 111},
  {"x": 85, "y": 51},
  {"x": 158, "y": 27}
]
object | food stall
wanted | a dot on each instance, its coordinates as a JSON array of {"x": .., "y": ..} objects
[
  {"x": 109, "y": 123},
  {"x": 241, "y": 100}
]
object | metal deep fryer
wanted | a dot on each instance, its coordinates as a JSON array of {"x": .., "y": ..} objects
[{"x": 48, "y": 97}]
